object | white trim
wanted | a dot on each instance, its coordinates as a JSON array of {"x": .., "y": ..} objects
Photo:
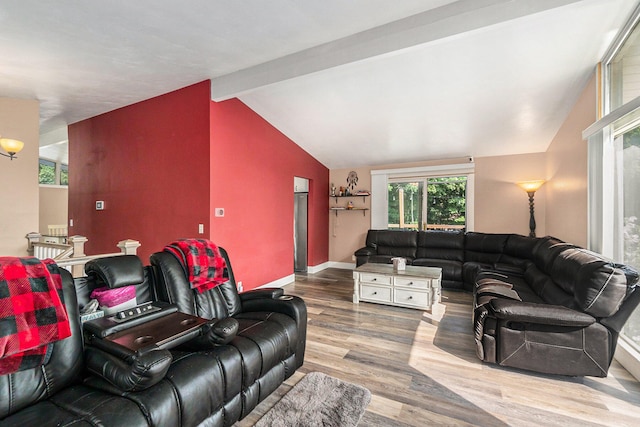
[
  {"x": 611, "y": 52},
  {"x": 430, "y": 26},
  {"x": 312, "y": 269},
  {"x": 379, "y": 201},
  {"x": 381, "y": 177},
  {"x": 628, "y": 357},
  {"x": 613, "y": 116},
  {"x": 471, "y": 201},
  {"x": 455, "y": 169},
  {"x": 53, "y": 186},
  {"x": 279, "y": 283},
  {"x": 342, "y": 265}
]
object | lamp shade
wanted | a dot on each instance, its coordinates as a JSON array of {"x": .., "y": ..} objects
[
  {"x": 11, "y": 146},
  {"x": 531, "y": 186}
]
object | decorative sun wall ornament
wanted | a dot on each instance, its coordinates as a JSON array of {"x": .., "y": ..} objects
[{"x": 352, "y": 179}]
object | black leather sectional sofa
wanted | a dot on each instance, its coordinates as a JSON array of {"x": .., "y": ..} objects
[
  {"x": 214, "y": 376},
  {"x": 539, "y": 303}
]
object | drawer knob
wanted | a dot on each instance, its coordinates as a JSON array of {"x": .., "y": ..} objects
[
  {"x": 374, "y": 279},
  {"x": 410, "y": 283},
  {"x": 375, "y": 293},
  {"x": 410, "y": 297}
]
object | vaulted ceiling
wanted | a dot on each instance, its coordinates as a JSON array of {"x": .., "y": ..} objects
[{"x": 358, "y": 82}]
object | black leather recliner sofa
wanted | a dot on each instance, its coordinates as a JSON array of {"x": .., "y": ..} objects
[
  {"x": 215, "y": 377},
  {"x": 539, "y": 303},
  {"x": 53, "y": 394}
]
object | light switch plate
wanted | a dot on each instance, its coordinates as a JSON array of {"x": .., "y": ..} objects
[
  {"x": 219, "y": 212},
  {"x": 201, "y": 228},
  {"x": 99, "y": 205}
]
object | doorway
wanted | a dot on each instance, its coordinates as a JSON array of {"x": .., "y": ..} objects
[{"x": 300, "y": 223}]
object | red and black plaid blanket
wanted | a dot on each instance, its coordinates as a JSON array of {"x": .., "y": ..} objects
[
  {"x": 205, "y": 266},
  {"x": 31, "y": 312}
]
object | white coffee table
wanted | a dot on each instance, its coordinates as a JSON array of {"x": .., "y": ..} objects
[{"x": 413, "y": 287}]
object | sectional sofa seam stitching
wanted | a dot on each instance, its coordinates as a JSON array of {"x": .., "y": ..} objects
[{"x": 606, "y": 283}]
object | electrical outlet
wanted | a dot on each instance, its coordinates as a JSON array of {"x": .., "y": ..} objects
[
  {"x": 99, "y": 205},
  {"x": 219, "y": 212},
  {"x": 201, "y": 228},
  {"x": 71, "y": 223}
]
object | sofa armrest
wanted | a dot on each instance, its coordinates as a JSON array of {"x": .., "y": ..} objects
[
  {"x": 366, "y": 251},
  {"x": 269, "y": 293},
  {"x": 288, "y": 305},
  {"x": 215, "y": 332},
  {"x": 136, "y": 372},
  {"x": 545, "y": 314}
]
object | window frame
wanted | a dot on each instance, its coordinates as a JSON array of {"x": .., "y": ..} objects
[
  {"x": 381, "y": 178},
  {"x": 58, "y": 167},
  {"x": 603, "y": 199}
]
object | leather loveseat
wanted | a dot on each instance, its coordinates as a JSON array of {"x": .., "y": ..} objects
[
  {"x": 539, "y": 303},
  {"x": 215, "y": 376}
]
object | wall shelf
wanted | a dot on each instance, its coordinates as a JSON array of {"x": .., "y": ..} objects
[
  {"x": 364, "y": 197},
  {"x": 338, "y": 209}
]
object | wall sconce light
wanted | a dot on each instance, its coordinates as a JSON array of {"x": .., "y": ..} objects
[
  {"x": 531, "y": 187},
  {"x": 11, "y": 146}
]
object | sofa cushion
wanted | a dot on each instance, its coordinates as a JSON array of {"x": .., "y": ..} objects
[
  {"x": 452, "y": 270},
  {"x": 484, "y": 248},
  {"x": 546, "y": 251},
  {"x": 518, "y": 250},
  {"x": 79, "y": 406},
  {"x": 518, "y": 246},
  {"x": 436, "y": 244},
  {"x": 547, "y": 289},
  {"x": 395, "y": 243}
]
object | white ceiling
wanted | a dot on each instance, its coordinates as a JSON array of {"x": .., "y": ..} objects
[{"x": 359, "y": 82}]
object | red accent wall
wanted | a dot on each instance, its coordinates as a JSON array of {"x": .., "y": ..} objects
[
  {"x": 162, "y": 165},
  {"x": 149, "y": 163},
  {"x": 252, "y": 170}
]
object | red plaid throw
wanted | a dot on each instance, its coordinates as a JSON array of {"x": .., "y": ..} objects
[
  {"x": 203, "y": 261},
  {"x": 31, "y": 312}
]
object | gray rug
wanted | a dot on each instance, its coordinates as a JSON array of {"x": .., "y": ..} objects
[{"x": 319, "y": 400}]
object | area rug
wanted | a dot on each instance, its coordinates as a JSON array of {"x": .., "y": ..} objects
[{"x": 319, "y": 400}]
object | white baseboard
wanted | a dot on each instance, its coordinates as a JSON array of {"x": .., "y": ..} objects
[
  {"x": 318, "y": 268},
  {"x": 312, "y": 269},
  {"x": 342, "y": 265},
  {"x": 280, "y": 282}
]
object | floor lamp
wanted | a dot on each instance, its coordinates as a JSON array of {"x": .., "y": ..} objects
[{"x": 531, "y": 187}]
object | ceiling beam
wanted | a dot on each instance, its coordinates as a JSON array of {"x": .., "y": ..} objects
[{"x": 446, "y": 21}]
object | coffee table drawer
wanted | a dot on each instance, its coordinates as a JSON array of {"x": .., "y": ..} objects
[
  {"x": 375, "y": 293},
  {"x": 409, "y": 282},
  {"x": 380, "y": 279},
  {"x": 410, "y": 297}
]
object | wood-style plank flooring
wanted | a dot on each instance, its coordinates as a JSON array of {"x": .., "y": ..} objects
[{"x": 424, "y": 371}]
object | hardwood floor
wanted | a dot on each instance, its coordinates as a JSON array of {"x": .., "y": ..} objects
[{"x": 424, "y": 371}]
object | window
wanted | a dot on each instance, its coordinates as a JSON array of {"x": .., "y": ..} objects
[
  {"x": 52, "y": 173},
  {"x": 627, "y": 145},
  {"x": 427, "y": 203},
  {"x": 423, "y": 198},
  {"x": 64, "y": 174},
  {"x": 614, "y": 172},
  {"x": 623, "y": 71},
  {"x": 47, "y": 172}
]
